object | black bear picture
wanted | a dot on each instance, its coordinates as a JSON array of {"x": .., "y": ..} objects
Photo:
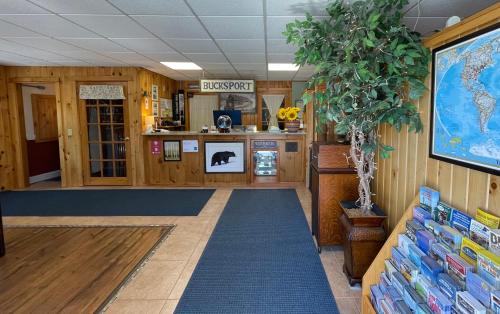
[
  {"x": 225, "y": 157},
  {"x": 220, "y": 157}
]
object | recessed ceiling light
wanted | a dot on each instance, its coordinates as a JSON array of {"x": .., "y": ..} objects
[
  {"x": 282, "y": 67},
  {"x": 181, "y": 65}
]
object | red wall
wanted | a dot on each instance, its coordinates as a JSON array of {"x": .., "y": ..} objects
[{"x": 43, "y": 157}]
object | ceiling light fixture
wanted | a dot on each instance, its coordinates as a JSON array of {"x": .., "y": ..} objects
[
  {"x": 282, "y": 67},
  {"x": 181, "y": 65}
]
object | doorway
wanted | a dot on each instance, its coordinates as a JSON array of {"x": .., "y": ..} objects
[
  {"x": 105, "y": 133},
  {"x": 39, "y": 109},
  {"x": 201, "y": 109}
]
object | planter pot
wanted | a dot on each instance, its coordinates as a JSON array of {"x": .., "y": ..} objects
[
  {"x": 292, "y": 126},
  {"x": 281, "y": 124},
  {"x": 362, "y": 237}
]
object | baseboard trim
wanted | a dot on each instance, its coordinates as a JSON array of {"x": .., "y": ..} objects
[{"x": 44, "y": 176}]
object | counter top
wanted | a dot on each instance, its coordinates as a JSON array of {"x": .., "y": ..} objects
[{"x": 192, "y": 133}]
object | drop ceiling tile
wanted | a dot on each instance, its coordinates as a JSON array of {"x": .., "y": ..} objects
[
  {"x": 247, "y": 57},
  {"x": 146, "y": 45},
  {"x": 279, "y": 46},
  {"x": 230, "y": 46},
  {"x": 110, "y": 25},
  {"x": 73, "y": 63},
  {"x": 215, "y": 66},
  {"x": 252, "y": 73},
  {"x": 10, "y": 30},
  {"x": 81, "y": 54},
  {"x": 279, "y": 76},
  {"x": 13, "y": 58},
  {"x": 296, "y": 7},
  {"x": 426, "y": 26},
  {"x": 96, "y": 44},
  {"x": 206, "y": 57},
  {"x": 171, "y": 57},
  {"x": 163, "y": 7},
  {"x": 223, "y": 72},
  {"x": 225, "y": 8},
  {"x": 193, "y": 45},
  {"x": 81, "y": 7},
  {"x": 172, "y": 26},
  {"x": 276, "y": 25},
  {"x": 45, "y": 43},
  {"x": 234, "y": 27},
  {"x": 127, "y": 57},
  {"x": 446, "y": 8},
  {"x": 250, "y": 66},
  {"x": 19, "y": 7},
  {"x": 49, "y": 25},
  {"x": 281, "y": 57}
]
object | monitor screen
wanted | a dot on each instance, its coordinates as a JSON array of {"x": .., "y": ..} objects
[{"x": 235, "y": 116}]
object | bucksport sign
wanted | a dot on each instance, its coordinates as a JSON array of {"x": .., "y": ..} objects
[{"x": 227, "y": 86}]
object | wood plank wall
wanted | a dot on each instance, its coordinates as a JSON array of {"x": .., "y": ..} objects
[
  {"x": 261, "y": 88},
  {"x": 66, "y": 79},
  {"x": 7, "y": 165},
  {"x": 399, "y": 177}
]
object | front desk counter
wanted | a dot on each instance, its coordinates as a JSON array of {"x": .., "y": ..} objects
[{"x": 186, "y": 158}]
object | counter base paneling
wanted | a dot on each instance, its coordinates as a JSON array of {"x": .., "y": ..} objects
[{"x": 287, "y": 169}]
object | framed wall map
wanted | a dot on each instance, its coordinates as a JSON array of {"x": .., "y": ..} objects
[{"x": 465, "y": 111}]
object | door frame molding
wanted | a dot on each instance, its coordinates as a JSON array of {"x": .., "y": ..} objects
[
  {"x": 15, "y": 99},
  {"x": 87, "y": 180}
]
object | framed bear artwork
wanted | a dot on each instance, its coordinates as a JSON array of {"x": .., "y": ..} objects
[{"x": 225, "y": 157}]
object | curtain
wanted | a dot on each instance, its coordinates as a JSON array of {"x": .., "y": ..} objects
[
  {"x": 201, "y": 109},
  {"x": 101, "y": 92},
  {"x": 273, "y": 103}
]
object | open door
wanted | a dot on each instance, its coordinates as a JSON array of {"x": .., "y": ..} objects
[{"x": 105, "y": 136}]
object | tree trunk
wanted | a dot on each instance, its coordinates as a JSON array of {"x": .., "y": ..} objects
[{"x": 365, "y": 166}]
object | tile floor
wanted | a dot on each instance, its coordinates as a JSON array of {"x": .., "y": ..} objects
[{"x": 159, "y": 284}]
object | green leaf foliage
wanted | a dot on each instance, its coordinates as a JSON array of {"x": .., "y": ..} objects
[{"x": 371, "y": 64}]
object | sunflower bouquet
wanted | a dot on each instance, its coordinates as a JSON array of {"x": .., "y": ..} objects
[{"x": 288, "y": 114}]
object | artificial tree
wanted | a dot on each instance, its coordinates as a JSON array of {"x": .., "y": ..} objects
[{"x": 371, "y": 67}]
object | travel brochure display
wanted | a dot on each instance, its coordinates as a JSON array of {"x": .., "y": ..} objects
[{"x": 445, "y": 262}]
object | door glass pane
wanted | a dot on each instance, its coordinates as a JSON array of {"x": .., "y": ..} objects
[
  {"x": 104, "y": 114},
  {"x": 118, "y": 133},
  {"x": 94, "y": 152},
  {"x": 120, "y": 151},
  {"x": 95, "y": 169},
  {"x": 120, "y": 169},
  {"x": 118, "y": 114},
  {"x": 91, "y": 114},
  {"x": 117, "y": 102},
  {"x": 107, "y": 169},
  {"x": 107, "y": 151},
  {"x": 93, "y": 133},
  {"x": 106, "y": 133}
]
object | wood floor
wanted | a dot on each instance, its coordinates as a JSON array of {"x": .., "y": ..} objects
[{"x": 69, "y": 270}]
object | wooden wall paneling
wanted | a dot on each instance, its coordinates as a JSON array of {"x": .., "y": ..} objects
[
  {"x": 402, "y": 170},
  {"x": 18, "y": 135},
  {"x": 477, "y": 193},
  {"x": 494, "y": 193},
  {"x": 445, "y": 181},
  {"x": 465, "y": 188},
  {"x": 459, "y": 186},
  {"x": 7, "y": 151},
  {"x": 395, "y": 178}
]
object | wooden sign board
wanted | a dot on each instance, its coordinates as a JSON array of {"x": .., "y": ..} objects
[{"x": 227, "y": 86}]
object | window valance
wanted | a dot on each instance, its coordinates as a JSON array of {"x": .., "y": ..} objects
[{"x": 101, "y": 92}]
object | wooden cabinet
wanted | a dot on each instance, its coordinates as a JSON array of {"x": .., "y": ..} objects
[{"x": 328, "y": 187}]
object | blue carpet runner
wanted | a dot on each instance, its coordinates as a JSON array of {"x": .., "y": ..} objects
[
  {"x": 261, "y": 258},
  {"x": 116, "y": 202}
]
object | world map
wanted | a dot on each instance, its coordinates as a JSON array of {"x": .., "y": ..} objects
[{"x": 466, "y": 108}]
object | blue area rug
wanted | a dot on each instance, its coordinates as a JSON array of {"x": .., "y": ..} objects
[
  {"x": 116, "y": 202},
  {"x": 261, "y": 258}
]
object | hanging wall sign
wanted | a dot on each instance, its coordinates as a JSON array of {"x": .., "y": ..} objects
[{"x": 227, "y": 86}]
